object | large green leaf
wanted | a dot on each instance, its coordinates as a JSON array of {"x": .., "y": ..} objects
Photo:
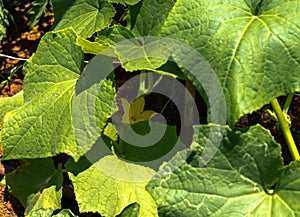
[
  {"x": 84, "y": 16},
  {"x": 43, "y": 126},
  {"x": 10, "y": 103},
  {"x": 116, "y": 184},
  {"x": 246, "y": 177},
  {"x": 253, "y": 46},
  {"x": 37, "y": 191}
]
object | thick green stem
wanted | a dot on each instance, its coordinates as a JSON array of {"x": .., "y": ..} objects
[
  {"x": 285, "y": 129},
  {"x": 188, "y": 110}
]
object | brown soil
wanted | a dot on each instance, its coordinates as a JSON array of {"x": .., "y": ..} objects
[
  {"x": 22, "y": 42},
  {"x": 6, "y": 208}
]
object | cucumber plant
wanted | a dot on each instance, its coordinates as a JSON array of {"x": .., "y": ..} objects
[{"x": 253, "y": 48}]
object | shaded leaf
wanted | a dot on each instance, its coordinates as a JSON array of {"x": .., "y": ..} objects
[
  {"x": 130, "y": 211},
  {"x": 36, "y": 192}
]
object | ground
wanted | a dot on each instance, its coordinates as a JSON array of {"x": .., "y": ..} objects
[{"x": 20, "y": 41}]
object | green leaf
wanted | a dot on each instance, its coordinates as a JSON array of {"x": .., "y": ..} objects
[
  {"x": 255, "y": 55},
  {"x": 65, "y": 213},
  {"x": 114, "y": 34},
  {"x": 41, "y": 213},
  {"x": 45, "y": 120},
  {"x": 150, "y": 16},
  {"x": 125, "y": 2},
  {"x": 111, "y": 132},
  {"x": 49, "y": 212},
  {"x": 104, "y": 39},
  {"x": 246, "y": 177},
  {"x": 85, "y": 16},
  {"x": 36, "y": 192},
  {"x": 10, "y": 103},
  {"x": 140, "y": 53},
  {"x": 38, "y": 7},
  {"x": 105, "y": 103},
  {"x": 116, "y": 184},
  {"x": 94, "y": 101},
  {"x": 133, "y": 52},
  {"x": 159, "y": 141},
  {"x": 254, "y": 5},
  {"x": 90, "y": 47},
  {"x": 252, "y": 45},
  {"x": 3, "y": 20},
  {"x": 143, "y": 54},
  {"x": 132, "y": 210}
]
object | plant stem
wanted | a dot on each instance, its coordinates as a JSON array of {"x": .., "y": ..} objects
[
  {"x": 188, "y": 110},
  {"x": 287, "y": 103},
  {"x": 285, "y": 129}
]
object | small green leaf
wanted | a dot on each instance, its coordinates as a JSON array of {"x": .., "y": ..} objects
[
  {"x": 125, "y": 2},
  {"x": 38, "y": 7},
  {"x": 114, "y": 34},
  {"x": 132, "y": 210},
  {"x": 36, "y": 192},
  {"x": 111, "y": 132},
  {"x": 116, "y": 184},
  {"x": 85, "y": 16},
  {"x": 90, "y": 47},
  {"x": 65, "y": 213},
  {"x": 3, "y": 20}
]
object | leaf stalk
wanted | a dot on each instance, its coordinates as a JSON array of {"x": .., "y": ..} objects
[{"x": 285, "y": 129}]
